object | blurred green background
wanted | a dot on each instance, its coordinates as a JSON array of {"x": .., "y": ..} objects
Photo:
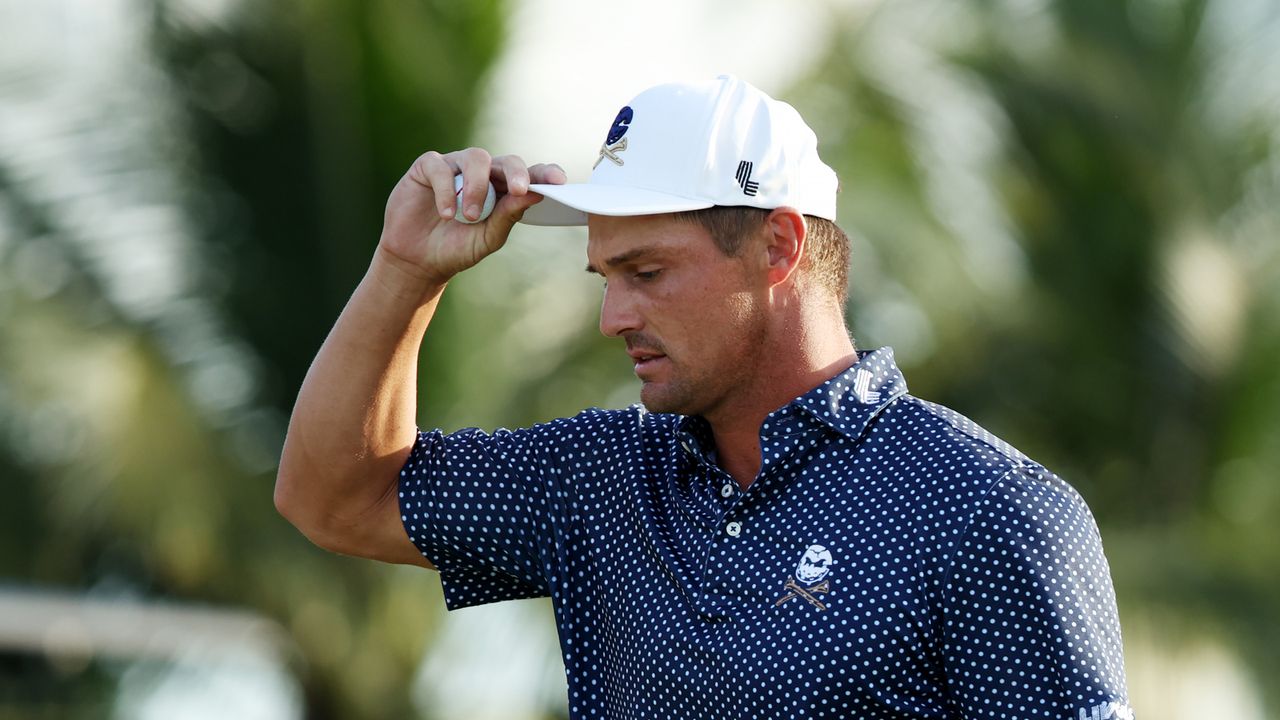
[{"x": 1065, "y": 216}]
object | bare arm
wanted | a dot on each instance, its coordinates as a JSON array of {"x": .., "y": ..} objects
[{"x": 354, "y": 422}]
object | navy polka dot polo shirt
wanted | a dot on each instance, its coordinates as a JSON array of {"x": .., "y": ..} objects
[{"x": 891, "y": 560}]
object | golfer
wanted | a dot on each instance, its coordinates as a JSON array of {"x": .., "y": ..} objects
[{"x": 780, "y": 530}]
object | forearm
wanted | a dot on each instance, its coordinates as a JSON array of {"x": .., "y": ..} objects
[
  {"x": 355, "y": 418},
  {"x": 353, "y": 424}
]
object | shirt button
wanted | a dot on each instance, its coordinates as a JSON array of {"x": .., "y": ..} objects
[
  {"x": 734, "y": 529},
  {"x": 727, "y": 490}
]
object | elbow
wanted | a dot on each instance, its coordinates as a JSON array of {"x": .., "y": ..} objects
[
  {"x": 302, "y": 506},
  {"x": 290, "y": 503},
  {"x": 287, "y": 498},
  {"x": 298, "y": 493},
  {"x": 343, "y": 510},
  {"x": 296, "y": 504}
]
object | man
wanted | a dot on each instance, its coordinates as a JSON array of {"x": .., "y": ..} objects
[{"x": 781, "y": 530}]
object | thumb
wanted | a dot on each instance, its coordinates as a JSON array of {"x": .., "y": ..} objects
[{"x": 508, "y": 211}]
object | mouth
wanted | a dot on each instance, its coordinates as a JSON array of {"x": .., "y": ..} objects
[{"x": 646, "y": 360}]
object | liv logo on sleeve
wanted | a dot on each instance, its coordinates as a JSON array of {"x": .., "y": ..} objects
[{"x": 1107, "y": 711}]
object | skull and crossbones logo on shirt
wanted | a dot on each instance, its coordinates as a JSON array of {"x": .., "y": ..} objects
[{"x": 810, "y": 580}]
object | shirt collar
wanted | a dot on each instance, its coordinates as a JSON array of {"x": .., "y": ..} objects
[
  {"x": 845, "y": 403},
  {"x": 848, "y": 401}
]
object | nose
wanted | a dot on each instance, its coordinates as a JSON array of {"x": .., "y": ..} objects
[{"x": 618, "y": 312}]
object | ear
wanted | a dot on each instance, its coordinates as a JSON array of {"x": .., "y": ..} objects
[{"x": 784, "y": 243}]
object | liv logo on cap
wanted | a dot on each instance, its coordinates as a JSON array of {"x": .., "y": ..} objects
[
  {"x": 691, "y": 146},
  {"x": 743, "y": 176}
]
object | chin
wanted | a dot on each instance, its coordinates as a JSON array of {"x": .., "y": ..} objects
[
  {"x": 654, "y": 400},
  {"x": 663, "y": 398}
]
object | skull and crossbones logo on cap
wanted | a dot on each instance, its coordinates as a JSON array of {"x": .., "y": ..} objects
[{"x": 815, "y": 563}]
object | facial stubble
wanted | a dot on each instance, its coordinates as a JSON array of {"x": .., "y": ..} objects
[{"x": 711, "y": 386}]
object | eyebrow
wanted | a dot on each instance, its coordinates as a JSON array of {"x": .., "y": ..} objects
[{"x": 626, "y": 257}]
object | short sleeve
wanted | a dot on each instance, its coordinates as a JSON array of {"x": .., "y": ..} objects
[
  {"x": 1030, "y": 628},
  {"x": 490, "y": 510}
]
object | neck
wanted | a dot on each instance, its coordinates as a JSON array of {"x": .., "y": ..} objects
[{"x": 798, "y": 355}]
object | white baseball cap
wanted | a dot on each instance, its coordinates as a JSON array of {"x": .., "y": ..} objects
[{"x": 688, "y": 146}]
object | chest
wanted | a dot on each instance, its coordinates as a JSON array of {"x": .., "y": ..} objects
[{"x": 808, "y": 583}]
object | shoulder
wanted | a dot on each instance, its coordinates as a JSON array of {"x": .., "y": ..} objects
[
  {"x": 1009, "y": 472},
  {"x": 603, "y": 427},
  {"x": 582, "y": 442},
  {"x": 937, "y": 456},
  {"x": 956, "y": 472},
  {"x": 587, "y": 425},
  {"x": 591, "y": 432},
  {"x": 1033, "y": 504},
  {"x": 944, "y": 433}
]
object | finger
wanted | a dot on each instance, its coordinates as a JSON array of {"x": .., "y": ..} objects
[
  {"x": 509, "y": 175},
  {"x": 435, "y": 171},
  {"x": 512, "y": 205},
  {"x": 475, "y": 164},
  {"x": 549, "y": 173}
]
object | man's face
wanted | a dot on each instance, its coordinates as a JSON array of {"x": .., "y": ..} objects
[{"x": 692, "y": 317}]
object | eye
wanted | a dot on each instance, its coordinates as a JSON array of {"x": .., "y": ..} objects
[{"x": 647, "y": 275}]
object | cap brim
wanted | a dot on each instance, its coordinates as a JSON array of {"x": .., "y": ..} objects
[{"x": 570, "y": 204}]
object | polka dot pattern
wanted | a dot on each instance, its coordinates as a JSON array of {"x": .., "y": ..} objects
[{"x": 891, "y": 560}]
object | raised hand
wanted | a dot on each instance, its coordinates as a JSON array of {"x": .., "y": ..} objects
[{"x": 419, "y": 229}]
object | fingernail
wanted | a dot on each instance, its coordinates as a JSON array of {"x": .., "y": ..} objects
[{"x": 473, "y": 212}]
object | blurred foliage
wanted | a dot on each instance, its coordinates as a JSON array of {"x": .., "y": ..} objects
[
  {"x": 140, "y": 430},
  {"x": 1064, "y": 219},
  {"x": 1128, "y": 339}
]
